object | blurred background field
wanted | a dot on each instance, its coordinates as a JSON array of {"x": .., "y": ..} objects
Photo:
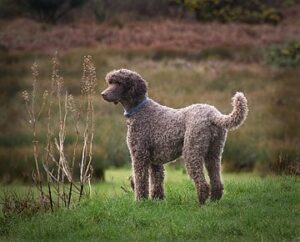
[{"x": 186, "y": 58}]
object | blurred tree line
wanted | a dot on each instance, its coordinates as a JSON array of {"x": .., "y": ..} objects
[{"x": 52, "y": 11}]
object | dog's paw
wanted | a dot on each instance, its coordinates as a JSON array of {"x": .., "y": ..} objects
[
  {"x": 157, "y": 195},
  {"x": 216, "y": 192},
  {"x": 203, "y": 193}
]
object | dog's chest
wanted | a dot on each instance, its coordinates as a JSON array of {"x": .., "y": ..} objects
[{"x": 163, "y": 141}]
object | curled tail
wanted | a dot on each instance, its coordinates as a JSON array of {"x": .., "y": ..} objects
[{"x": 238, "y": 115}]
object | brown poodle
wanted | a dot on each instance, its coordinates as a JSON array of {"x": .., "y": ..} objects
[{"x": 158, "y": 134}]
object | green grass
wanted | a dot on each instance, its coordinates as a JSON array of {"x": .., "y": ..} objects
[{"x": 253, "y": 208}]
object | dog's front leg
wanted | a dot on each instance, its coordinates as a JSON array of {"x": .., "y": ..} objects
[
  {"x": 141, "y": 176},
  {"x": 156, "y": 175}
]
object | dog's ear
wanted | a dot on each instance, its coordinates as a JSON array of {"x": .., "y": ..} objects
[{"x": 138, "y": 88}]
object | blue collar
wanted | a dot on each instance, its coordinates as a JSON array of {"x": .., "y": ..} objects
[{"x": 128, "y": 113}]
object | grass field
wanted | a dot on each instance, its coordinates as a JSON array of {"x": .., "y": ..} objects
[{"x": 253, "y": 208}]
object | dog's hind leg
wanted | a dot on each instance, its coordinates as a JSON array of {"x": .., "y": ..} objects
[
  {"x": 213, "y": 164},
  {"x": 156, "y": 176},
  {"x": 195, "y": 170},
  {"x": 194, "y": 151}
]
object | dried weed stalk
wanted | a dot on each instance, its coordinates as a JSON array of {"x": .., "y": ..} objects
[{"x": 59, "y": 167}]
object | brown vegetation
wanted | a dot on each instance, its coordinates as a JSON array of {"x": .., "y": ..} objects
[{"x": 25, "y": 34}]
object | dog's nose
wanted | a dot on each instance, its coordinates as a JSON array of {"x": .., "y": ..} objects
[{"x": 103, "y": 94}]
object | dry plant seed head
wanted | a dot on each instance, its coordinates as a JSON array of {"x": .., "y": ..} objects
[
  {"x": 88, "y": 82},
  {"x": 34, "y": 69},
  {"x": 71, "y": 104},
  {"x": 83, "y": 79},
  {"x": 45, "y": 94},
  {"x": 25, "y": 96},
  {"x": 59, "y": 83},
  {"x": 56, "y": 78},
  {"x": 54, "y": 66},
  {"x": 35, "y": 74}
]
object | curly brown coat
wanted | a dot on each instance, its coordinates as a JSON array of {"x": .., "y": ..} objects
[{"x": 158, "y": 134}]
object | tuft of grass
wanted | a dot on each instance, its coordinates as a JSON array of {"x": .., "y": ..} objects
[
  {"x": 253, "y": 208},
  {"x": 18, "y": 205}
]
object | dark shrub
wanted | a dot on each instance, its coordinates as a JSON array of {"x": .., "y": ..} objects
[
  {"x": 287, "y": 54},
  {"x": 48, "y": 10},
  {"x": 252, "y": 11},
  {"x": 106, "y": 9},
  {"x": 8, "y": 9}
]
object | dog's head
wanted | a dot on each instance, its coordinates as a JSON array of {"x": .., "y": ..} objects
[{"x": 124, "y": 86}]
